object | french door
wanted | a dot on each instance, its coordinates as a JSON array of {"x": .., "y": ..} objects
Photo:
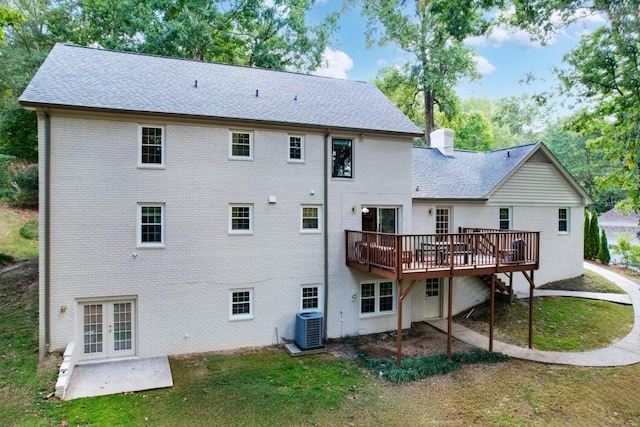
[{"x": 107, "y": 329}]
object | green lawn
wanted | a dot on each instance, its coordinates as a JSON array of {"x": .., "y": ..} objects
[{"x": 11, "y": 242}]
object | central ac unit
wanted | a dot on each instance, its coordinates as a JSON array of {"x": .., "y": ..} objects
[{"x": 309, "y": 330}]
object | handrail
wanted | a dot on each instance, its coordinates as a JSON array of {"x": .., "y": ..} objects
[{"x": 473, "y": 247}]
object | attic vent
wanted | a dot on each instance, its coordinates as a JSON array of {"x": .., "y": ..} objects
[{"x": 309, "y": 330}]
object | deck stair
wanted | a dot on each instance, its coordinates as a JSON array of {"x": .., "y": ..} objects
[{"x": 503, "y": 289}]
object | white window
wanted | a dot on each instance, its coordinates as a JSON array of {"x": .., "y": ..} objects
[
  {"x": 241, "y": 219},
  {"x": 296, "y": 149},
  {"x": 241, "y": 304},
  {"x": 241, "y": 145},
  {"x": 505, "y": 218},
  {"x": 151, "y": 151},
  {"x": 563, "y": 220},
  {"x": 433, "y": 287},
  {"x": 377, "y": 297},
  {"x": 310, "y": 298},
  {"x": 150, "y": 225},
  {"x": 311, "y": 218}
]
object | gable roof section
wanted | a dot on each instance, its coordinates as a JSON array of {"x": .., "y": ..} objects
[
  {"x": 471, "y": 175},
  {"x": 103, "y": 80}
]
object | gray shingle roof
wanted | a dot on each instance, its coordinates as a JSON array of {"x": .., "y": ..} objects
[
  {"x": 467, "y": 175},
  {"x": 82, "y": 77}
]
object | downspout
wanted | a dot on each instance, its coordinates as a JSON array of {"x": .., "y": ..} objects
[
  {"x": 47, "y": 229},
  {"x": 325, "y": 220}
]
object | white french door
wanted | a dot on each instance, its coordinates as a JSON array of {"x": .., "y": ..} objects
[{"x": 107, "y": 329}]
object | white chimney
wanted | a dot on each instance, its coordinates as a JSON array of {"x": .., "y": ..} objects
[{"x": 442, "y": 139}]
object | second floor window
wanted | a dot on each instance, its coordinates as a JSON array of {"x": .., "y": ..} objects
[
  {"x": 241, "y": 145},
  {"x": 342, "y": 158},
  {"x": 151, "y": 150},
  {"x": 296, "y": 148}
]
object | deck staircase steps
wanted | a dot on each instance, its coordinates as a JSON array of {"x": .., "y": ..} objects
[{"x": 502, "y": 288}]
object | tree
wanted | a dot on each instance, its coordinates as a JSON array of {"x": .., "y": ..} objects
[
  {"x": 473, "y": 131},
  {"x": 8, "y": 17},
  {"x": 594, "y": 236},
  {"x": 630, "y": 253},
  {"x": 585, "y": 239},
  {"x": 432, "y": 32},
  {"x": 602, "y": 71},
  {"x": 603, "y": 253}
]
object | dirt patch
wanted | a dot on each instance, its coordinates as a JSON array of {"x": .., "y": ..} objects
[
  {"x": 422, "y": 339},
  {"x": 18, "y": 282}
]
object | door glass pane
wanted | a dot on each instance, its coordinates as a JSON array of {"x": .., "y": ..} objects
[
  {"x": 92, "y": 331},
  {"x": 442, "y": 220},
  {"x": 387, "y": 220},
  {"x": 122, "y": 326},
  {"x": 370, "y": 220}
]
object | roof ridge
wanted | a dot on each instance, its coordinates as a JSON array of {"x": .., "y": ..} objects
[{"x": 222, "y": 64}]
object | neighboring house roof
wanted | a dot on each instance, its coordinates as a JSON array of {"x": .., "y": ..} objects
[
  {"x": 472, "y": 175},
  {"x": 88, "y": 78},
  {"x": 615, "y": 217}
]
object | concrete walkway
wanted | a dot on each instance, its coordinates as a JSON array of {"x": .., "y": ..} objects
[{"x": 623, "y": 352}]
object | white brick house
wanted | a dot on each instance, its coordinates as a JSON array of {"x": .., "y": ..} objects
[{"x": 190, "y": 207}]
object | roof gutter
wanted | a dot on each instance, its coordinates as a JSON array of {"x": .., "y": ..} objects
[
  {"x": 46, "y": 277},
  {"x": 239, "y": 121},
  {"x": 325, "y": 220}
]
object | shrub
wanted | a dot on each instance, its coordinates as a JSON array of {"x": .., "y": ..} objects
[
  {"x": 434, "y": 364},
  {"x": 30, "y": 229},
  {"x": 18, "y": 182},
  {"x": 6, "y": 259},
  {"x": 603, "y": 253}
]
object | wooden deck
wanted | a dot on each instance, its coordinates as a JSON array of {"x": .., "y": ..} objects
[{"x": 472, "y": 252}]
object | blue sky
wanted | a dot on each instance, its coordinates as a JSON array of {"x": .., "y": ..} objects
[{"x": 504, "y": 57}]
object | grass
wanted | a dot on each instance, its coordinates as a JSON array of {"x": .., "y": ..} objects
[
  {"x": 564, "y": 324},
  {"x": 588, "y": 282},
  {"x": 11, "y": 242}
]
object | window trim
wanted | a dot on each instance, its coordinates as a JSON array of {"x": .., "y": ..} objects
[
  {"x": 377, "y": 312},
  {"x": 240, "y": 231},
  {"x": 251, "y": 145},
  {"x": 567, "y": 221},
  {"x": 241, "y": 316},
  {"x": 333, "y": 171},
  {"x": 140, "y": 243},
  {"x": 302, "y": 148},
  {"x": 318, "y": 288},
  {"x": 163, "y": 147},
  {"x": 319, "y": 218},
  {"x": 510, "y": 219}
]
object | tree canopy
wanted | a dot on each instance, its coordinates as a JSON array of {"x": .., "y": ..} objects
[{"x": 432, "y": 32}]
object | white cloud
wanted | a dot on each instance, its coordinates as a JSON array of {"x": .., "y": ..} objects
[
  {"x": 335, "y": 63},
  {"x": 503, "y": 35},
  {"x": 483, "y": 65}
]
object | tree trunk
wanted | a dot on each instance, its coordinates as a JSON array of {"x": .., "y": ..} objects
[{"x": 428, "y": 115}]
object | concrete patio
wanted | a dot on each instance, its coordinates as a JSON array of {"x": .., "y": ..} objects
[{"x": 119, "y": 376}]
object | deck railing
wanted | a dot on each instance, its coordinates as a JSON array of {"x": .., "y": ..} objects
[{"x": 471, "y": 248}]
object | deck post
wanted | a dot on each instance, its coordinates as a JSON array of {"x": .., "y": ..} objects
[
  {"x": 531, "y": 287},
  {"x": 399, "y": 349},
  {"x": 450, "y": 318},
  {"x": 492, "y": 310}
]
